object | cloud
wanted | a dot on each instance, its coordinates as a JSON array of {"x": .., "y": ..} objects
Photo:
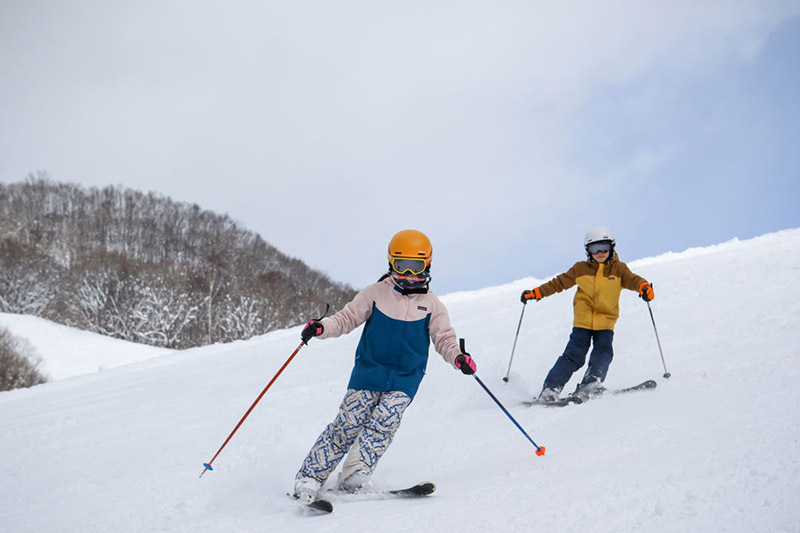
[{"x": 327, "y": 126}]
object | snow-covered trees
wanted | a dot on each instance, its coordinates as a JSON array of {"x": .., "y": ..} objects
[
  {"x": 26, "y": 279},
  {"x": 144, "y": 268},
  {"x": 239, "y": 318},
  {"x": 134, "y": 310}
]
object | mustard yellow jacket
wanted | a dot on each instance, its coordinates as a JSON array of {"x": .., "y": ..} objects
[{"x": 596, "y": 303}]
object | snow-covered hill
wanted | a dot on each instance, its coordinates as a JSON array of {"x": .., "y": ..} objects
[
  {"x": 67, "y": 352},
  {"x": 715, "y": 448}
]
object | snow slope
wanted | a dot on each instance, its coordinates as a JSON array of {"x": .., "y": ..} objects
[
  {"x": 715, "y": 448},
  {"x": 67, "y": 352}
]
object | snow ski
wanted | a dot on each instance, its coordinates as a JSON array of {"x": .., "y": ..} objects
[
  {"x": 424, "y": 488},
  {"x": 572, "y": 398},
  {"x": 319, "y": 505}
]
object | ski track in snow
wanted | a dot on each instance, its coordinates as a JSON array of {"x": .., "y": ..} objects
[{"x": 714, "y": 448}]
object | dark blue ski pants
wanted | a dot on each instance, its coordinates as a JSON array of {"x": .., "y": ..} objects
[{"x": 574, "y": 357}]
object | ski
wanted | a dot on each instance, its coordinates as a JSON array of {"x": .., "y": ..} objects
[
  {"x": 425, "y": 488},
  {"x": 572, "y": 398},
  {"x": 649, "y": 384},
  {"x": 419, "y": 490},
  {"x": 561, "y": 402},
  {"x": 319, "y": 505}
]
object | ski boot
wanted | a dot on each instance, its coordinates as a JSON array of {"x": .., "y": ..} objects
[
  {"x": 549, "y": 394},
  {"x": 306, "y": 490},
  {"x": 354, "y": 482},
  {"x": 587, "y": 391}
]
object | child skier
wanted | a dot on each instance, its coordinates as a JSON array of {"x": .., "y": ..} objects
[
  {"x": 402, "y": 316},
  {"x": 600, "y": 280}
]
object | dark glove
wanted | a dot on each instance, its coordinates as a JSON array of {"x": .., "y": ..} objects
[
  {"x": 466, "y": 364},
  {"x": 535, "y": 294},
  {"x": 312, "y": 329},
  {"x": 646, "y": 292}
]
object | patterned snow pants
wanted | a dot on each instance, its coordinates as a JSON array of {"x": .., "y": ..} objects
[{"x": 371, "y": 418}]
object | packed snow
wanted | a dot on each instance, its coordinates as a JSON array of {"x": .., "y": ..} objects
[{"x": 714, "y": 448}]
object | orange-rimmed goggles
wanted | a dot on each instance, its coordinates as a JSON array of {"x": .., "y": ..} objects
[{"x": 401, "y": 265}]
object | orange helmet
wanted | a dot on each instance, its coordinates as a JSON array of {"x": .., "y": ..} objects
[{"x": 411, "y": 244}]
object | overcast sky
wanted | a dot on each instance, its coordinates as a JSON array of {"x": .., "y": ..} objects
[{"x": 502, "y": 129}]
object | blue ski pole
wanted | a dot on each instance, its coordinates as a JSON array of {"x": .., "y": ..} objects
[{"x": 539, "y": 449}]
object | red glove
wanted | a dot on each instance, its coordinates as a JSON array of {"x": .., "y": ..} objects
[
  {"x": 646, "y": 292},
  {"x": 535, "y": 294},
  {"x": 466, "y": 364}
]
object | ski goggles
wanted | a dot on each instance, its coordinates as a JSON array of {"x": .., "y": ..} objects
[
  {"x": 401, "y": 265},
  {"x": 599, "y": 247}
]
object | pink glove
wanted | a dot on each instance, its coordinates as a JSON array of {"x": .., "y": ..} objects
[
  {"x": 312, "y": 329},
  {"x": 466, "y": 364}
]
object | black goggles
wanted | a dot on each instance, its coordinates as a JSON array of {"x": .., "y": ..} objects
[
  {"x": 401, "y": 265},
  {"x": 599, "y": 247}
]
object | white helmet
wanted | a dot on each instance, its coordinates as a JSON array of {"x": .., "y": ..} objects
[{"x": 599, "y": 234}]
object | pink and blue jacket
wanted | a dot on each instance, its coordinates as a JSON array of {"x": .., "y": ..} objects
[{"x": 393, "y": 351}]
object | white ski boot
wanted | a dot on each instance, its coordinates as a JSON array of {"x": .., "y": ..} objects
[
  {"x": 586, "y": 391},
  {"x": 354, "y": 481},
  {"x": 306, "y": 489},
  {"x": 549, "y": 394}
]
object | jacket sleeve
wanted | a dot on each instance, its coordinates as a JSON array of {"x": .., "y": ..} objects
[
  {"x": 559, "y": 283},
  {"x": 442, "y": 333},
  {"x": 351, "y": 316},
  {"x": 630, "y": 280}
]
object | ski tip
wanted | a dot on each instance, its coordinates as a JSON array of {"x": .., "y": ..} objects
[
  {"x": 429, "y": 485},
  {"x": 540, "y": 451}
]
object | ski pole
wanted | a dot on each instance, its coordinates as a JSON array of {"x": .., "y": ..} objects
[
  {"x": 207, "y": 466},
  {"x": 515, "y": 343},
  {"x": 653, "y": 320},
  {"x": 539, "y": 449}
]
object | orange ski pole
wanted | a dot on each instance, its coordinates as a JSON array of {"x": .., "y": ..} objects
[{"x": 207, "y": 466}]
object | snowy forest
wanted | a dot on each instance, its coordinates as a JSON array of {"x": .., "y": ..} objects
[{"x": 144, "y": 268}]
